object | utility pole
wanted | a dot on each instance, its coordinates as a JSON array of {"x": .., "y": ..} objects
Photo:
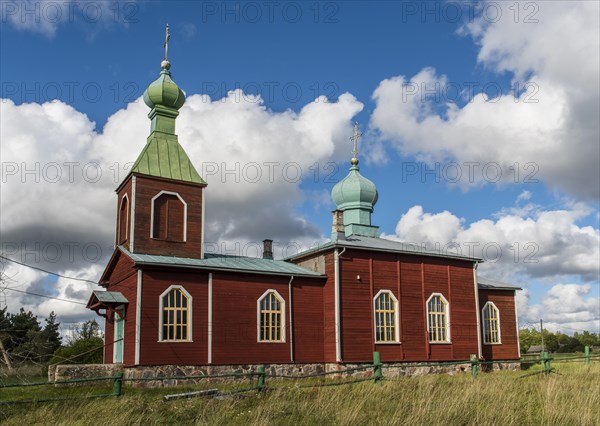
[{"x": 542, "y": 331}]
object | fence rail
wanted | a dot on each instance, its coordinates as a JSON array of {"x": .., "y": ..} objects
[{"x": 377, "y": 376}]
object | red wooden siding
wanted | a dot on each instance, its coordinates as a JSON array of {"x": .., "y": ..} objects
[
  {"x": 505, "y": 302},
  {"x": 411, "y": 279},
  {"x": 412, "y": 310},
  {"x": 147, "y": 188},
  {"x": 234, "y": 304},
  {"x": 463, "y": 316},
  {"x": 307, "y": 301},
  {"x": 357, "y": 333},
  {"x": 154, "y": 283}
]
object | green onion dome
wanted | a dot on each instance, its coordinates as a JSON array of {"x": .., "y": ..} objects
[
  {"x": 354, "y": 191},
  {"x": 164, "y": 91}
]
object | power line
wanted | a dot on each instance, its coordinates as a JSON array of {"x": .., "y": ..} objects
[
  {"x": 44, "y": 295},
  {"x": 48, "y": 272}
]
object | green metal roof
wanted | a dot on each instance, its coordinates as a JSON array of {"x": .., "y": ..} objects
[
  {"x": 109, "y": 296},
  {"x": 381, "y": 244},
  {"x": 224, "y": 262},
  {"x": 486, "y": 283},
  {"x": 164, "y": 157}
]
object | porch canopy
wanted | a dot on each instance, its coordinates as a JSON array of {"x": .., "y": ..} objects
[{"x": 106, "y": 301}]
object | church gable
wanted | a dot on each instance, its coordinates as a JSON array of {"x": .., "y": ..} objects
[{"x": 120, "y": 266}]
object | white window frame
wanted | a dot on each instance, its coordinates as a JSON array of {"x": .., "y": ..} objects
[
  {"x": 126, "y": 220},
  {"x": 396, "y": 319},
  {"x": 447, "y": 315},
  {"x": 493, "y": 305},
  {"x": 160, "y": 315},
  {"x": 282, "y": 326},
  {"x": 184, "y": 212}
]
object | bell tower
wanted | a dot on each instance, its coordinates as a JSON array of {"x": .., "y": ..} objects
[{"x": 160, "y": 206}]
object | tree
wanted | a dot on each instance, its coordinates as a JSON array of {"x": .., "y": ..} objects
[
  {"x": 529, "y": 338},
  {"x": 88, "y": 330},
  {"x": 23, "y": 340},
  {"x": 21, "y": 324},
  {"x": 557, "y": 342},
  {"x": 86, "y": 346},
  {"x": 51, "y": 336},
  {"x": 4, "y": 333},
  {"x": 587, "y": 339}
]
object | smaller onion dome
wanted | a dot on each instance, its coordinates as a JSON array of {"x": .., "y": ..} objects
[
  {"x": 164, "y": 91},
  {"x": 354, "y": 191}
]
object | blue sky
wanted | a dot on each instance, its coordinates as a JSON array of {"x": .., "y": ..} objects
[{"x": 288, "y": 53}]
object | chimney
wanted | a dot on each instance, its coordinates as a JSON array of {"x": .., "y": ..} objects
[
  {"x": 337, "y": 229},
  {"x": 268, "y": 249}
]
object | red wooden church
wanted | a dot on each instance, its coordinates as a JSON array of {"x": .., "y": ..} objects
[{"x": 169, "y": 303}]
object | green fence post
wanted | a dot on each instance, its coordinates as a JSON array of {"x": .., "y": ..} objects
[
  {"x": 261, "y": 378},
  {"x": 587, "y": 355},
  {"x": 118, "y": 383},
  {"x": 377, "y": 373},
  {"x": 474, "y": 366},
  {"x": 546, "y": 362}
]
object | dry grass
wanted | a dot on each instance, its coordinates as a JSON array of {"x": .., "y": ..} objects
[{"x": 501, "y": 398}]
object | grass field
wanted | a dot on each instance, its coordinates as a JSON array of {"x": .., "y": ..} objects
[{"x": 500, "y": 398}]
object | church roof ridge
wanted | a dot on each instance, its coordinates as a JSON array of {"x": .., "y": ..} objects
[
  {"x": 361, "y": 242},
  {"x": 488, "y": 283},
  {"x": 214, "y": 261}
]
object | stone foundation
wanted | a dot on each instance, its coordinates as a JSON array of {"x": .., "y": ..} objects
[
  {"x": 130, "y": 374},
  {"x": 504, "y": 366},
  {"x": 58, "y": 373}
]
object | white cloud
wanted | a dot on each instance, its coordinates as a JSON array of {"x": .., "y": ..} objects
[
  {"x": 52, "y": 191},
  {"x": 45, "y": 16},
  {"x": 544, "y": 245},
  {"x": 553, "y": 125},
  {"x": 565, "y": 307}
]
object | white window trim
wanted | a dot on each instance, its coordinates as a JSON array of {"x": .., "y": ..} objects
[
  {"x": 282, "y": 300},
  {"x": 184, "y": 213},
  {"x": 396, "y": 319},
  {"x": 119, "y": 310},
  {"x": 499, "y": 342},
  {"x": 126, "y": 219},
  {"x": 160, "y": 316},
  {"x": 448, "y": 338}
]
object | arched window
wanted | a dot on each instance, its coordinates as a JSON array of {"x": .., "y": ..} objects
[
  {"x": 271, "y": 317},
  {"x": 175, "y": 315},
  {"x": 386, "y": 317},
  {"x": 123, "y": 231},
  {"x": 491, "y": 324},
  {"x": 169, "y": 217},
  {"x": 438, "y": 319}
]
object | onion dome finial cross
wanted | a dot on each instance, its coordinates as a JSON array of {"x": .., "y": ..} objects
[
  {"x": 165, "y": 64},
  {"x": 355, "y": 139}
]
